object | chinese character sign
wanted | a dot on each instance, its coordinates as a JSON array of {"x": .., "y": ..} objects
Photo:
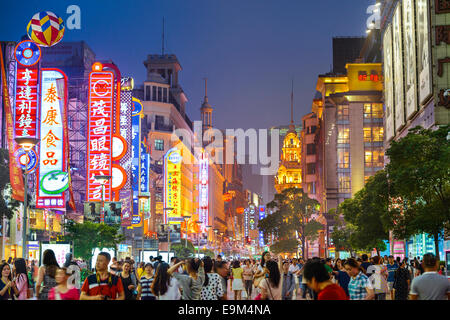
[
  {"x": 26, "y": 101},
  {"x": 101, "y": 86},
  {"x": 172, "y": 186},
  {"x": 145, "y": 167},
  {"x": 203, "y": 190},
  {"x": 262, "y": 215},
  {"x": 52, "y": 146},
  {"x": 135, "y": 159}
]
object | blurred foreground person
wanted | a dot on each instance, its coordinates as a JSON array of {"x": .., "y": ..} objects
[{"x": 318, "y": 279}]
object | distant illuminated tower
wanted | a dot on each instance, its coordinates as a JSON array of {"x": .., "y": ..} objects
[
  {"x": 290, "y": 171},
  {"x": 206, "y": 110}
]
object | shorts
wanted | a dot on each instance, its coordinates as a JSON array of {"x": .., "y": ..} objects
[
  {"x": 390, "y": 285},
  {"x": 237, "y": 284}
]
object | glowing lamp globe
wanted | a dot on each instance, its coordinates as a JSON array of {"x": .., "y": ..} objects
[{"x": 46, "y": 29}]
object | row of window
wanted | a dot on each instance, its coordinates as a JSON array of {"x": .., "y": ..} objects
[
  {"x": 371, "y": 134},
  {"x": 156, "y": 93},
  {"x": 371, "y": 111}
]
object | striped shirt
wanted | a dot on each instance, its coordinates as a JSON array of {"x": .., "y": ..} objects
[
  {"x": 146, "y": 288},
  {"x": 357, "y": 287}
]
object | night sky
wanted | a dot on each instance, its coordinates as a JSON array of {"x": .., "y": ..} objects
[{"x": 248, "y": 49}]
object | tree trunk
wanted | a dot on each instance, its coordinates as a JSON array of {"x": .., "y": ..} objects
[
  {"x": 303, "y": 247},
  {"x": 436, "y": 246},
  {"x": 378, "y": 251}
]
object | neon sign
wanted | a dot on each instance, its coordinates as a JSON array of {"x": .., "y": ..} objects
[
  {"x": 172, "y": 186},
  {"x": 99, "y": 160},
  {"x": 203, "y": 190}
]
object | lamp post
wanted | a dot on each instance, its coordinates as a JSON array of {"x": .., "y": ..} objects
[
  {"x": 186, "y": 219},
  {"x": 102, "y": 179},
  {"x": 27, "y": 143},
  {"x": 215, "y": 240},
  {"x": 168, "y": 235},
  {"x": 207, "y": 235}
]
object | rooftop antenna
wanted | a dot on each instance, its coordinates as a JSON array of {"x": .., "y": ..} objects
[
  {"x": 292, "y": 102},
  {"x": 206, "y": 89},
  {"x": 163, "y": 37}
]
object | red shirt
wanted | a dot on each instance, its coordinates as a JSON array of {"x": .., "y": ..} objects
[
  {"x": 332, "y": 292},
  {"x": 109, "y": 287},
  {"x": 71, "y": 294}
]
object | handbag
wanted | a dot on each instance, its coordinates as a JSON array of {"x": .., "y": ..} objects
[{"x": 257, "y": 281}]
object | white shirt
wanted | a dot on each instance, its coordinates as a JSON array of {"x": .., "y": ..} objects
[
  {"x": 293, "y": 268},
  {"x": 173, "y": 291}
]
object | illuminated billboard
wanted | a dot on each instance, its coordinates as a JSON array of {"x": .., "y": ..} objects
[
  {"x": 136, "y": 115},
  {"x": 52, "y": 176},
  {"x": 101, "y": 86},
  {"x": 423, "y": 50},
  {"x": 409, "y": 39},
  {"x": 399, "y": 94},
  {"x": 172, "y": 186},
  {"x": 203, "y": 190},
  {"x": 262, "y": 215}
]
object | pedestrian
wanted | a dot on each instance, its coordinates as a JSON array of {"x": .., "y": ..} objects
[
  {"x": 145, "y": 284},
  {"x": 212, "y": 287},
  {"x": 164, "y": 286},
  {"x": 430, "y": 285},
  {"x": 379, "y": 279},
  {"x": 114, "y": 268},
  {"x": 192, "y": 283},
  {"x": 391, "y": 266},
  {"x": 365, "y": 264},
  {"x": 62, "y": 291},
  {"x": 129, "y": 281},
  {"x": 46, "y": 275},
  {"x": 319, "y": 280},
  {"x": 237, "y": 284},
  {"x": 22, "y": 282},
  {"x": 402, "y": 280},
  {"x": 102, "y": 285},
  {"x": 359, "y": 287},
  {"x": 8, "y": 289},
  {"x": 247, "y": 275},
  {"x": 342, "y": 276},
  {"x": 265, "y": 257},
  {"x": 288, "y": 282},
  {"x": 271, "y": 286},
  {"x": 221, "y": 268}
]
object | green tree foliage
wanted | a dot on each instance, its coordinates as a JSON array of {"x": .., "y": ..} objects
[
  {"x": 7, "y": 204},
  {"x": 181, "y": 251},
  {"x": 419, "y": 170},
  {"x": 341, "y": 232},
  {"x": 88, "y": 235},
  {"x": 367, "y": 211},
  {"x": 292, "y": 210},
  {"x": 288, "y": 245}
]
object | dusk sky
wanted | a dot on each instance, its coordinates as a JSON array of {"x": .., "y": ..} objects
[{"x": 248, "y": 49}]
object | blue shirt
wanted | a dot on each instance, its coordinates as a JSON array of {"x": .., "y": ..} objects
[
  {"x": 357, "y": 286},
  {"x": 343, "y": 280},
  {"x": 391, "y": 269}
]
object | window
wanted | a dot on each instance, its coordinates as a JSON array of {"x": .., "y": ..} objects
[
  {"x": 153, "y": 93},
  {"x": 159, "y": 145},
  {"x": 343, "y": 134},
  {"x": 310, "y": 149},
  {"x": 70, "y": 122},
  {"x": 342, "y": 112},
  {"x": 344, "y": 182},
  {"x": 343, "y": 158},
  {"x": 313, "y": 129},
  {"x": 373, "y": 110},
  {"x": 147, "y": 93},
  {"x": 159, "y": 94},
  {"x": 164, "y": 94},
  {"x": 311, "y": 168},
  {"x": 311, "y": 188},
  {"x": 373, "y": 134},
  {"x": 366, "y": 178},
  {"x": 374, "y": 158}
]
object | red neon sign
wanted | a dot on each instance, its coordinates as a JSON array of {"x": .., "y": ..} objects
[
  {"x": 26, "y": 101},
  {"x": 99, "y": 160}
]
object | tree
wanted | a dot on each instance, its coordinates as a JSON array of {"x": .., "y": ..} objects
[
  {"x": 367, "y": 211},
  {"x": 292, "y": 211},
  {"x": 7, "y": 204},
  {"x": 419, "y": 170},
  {"x": 341, "y": 232},
  {"x": 89, "y": 235},
  {"x": 288, "y": 245}
]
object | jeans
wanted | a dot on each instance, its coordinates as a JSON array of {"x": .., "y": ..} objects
[
  {"x": 380, "y": 296},
  {"x": 305, "y": 289},
  {"x": 248, "y": 285}
]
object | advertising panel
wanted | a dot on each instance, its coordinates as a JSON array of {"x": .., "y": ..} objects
[
  {"x": 172, "y": 186},
  {"x": 409, "y": 39},
  {"x": 26, "y": 101},
  {"x": 262, "y": 215},
  {"x": 203, "y": 190},
  {"x": 423, "y": 50},
  {"x": 388, "y": 84},
  {"x": 52, "y": 176},
  {"x": 101, "y": 86},
  {"x": 60, "y": 250},
  {"x": 399, "y": 93},
  {"x": 113, "y": 212},
  {"x": 136, "y": 115}
]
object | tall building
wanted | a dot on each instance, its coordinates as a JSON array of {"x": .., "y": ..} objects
[{"x": 416, "y": 43}]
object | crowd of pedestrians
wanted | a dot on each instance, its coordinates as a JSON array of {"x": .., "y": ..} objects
[{"x": 270, "y": 278}]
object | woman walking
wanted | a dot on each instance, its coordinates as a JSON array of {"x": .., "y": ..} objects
[
  {"x": 129, "y": 281},
  {"x": 8, "y": 288},
  {"x": 271, "y": 286},
  {"x": 359, "y": 287},
  {"x": 145, "y": 284},
  {"x": 46, "y": 275},
  {"x": 21, "y": 276},
  {"x": 212, "y": 287},
  {"x": 192, "y": 283},
  {"x": 379, "y": 279},
  {"x": 247, "y": 274},
  {"x": 237, "y": 285},
  {"x": 260, "y": 272},
  {"x": 62, "y": 291},
  {"x": 402, "y": 280},
  {"x": 165, "y": 287}
]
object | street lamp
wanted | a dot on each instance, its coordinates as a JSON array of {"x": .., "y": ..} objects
[
  {"x": 186, "y": 219},
  {"x": 102, "y": 179},
  {"x": 168, "y": 235},
  {"x": 27, "y": 143}
]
